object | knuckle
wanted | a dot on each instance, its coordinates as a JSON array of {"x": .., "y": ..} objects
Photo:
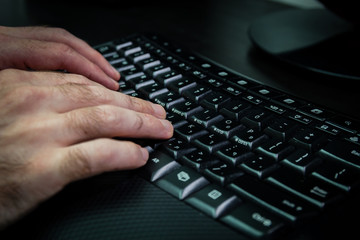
[
  {"x": 89, "y": 121},
  {"x": 77, "y": 164},
  {"x": 63, "y": 49},
  {"x": 137, "y": 104},
  {"x": 139, "y": 122}
]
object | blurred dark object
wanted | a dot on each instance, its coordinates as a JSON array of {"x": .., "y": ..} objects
[{"x": 346, "y": 9}]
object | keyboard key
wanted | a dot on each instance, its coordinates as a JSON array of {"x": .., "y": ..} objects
[
  {"x": 190, "y": 131},
  {"x": 196, "y": 93},
  {"x": 338, "y": 174},
  {"x": 153, "y": 90},
  {"x": 214, "y": 100},
  {"x": 281, "y": 128},
  {"x": 181, "y": 85},
  {"x": 234, "y": 109},
  {"x": 315, "y": 112},
  {"x": 265, "y": 92},
  {"x": 141, "y": 81},
  {"x": 177, "y": 147},
  {"x": 226, "y": 127},
  {"x": 213, "y": 201},
  {"x": 344, "y": 151},
  {"x": 284, "y": 204},
  {"x": 182, "y": 182},
  {"x": 254, "y": 221},
  {"x": 249, "y": 137},
  {"x": 158, "y": 165},
  {"x": 199, "y": 159},
  {"x": 148, "y": 63},
  {"x": 222, "y": 173},
  {"x": 302, "y": 161},
  {"x": 234, "y": 154},
  {"x": 275, "y": 149},
  {"x": 168, "y": 77},
  {"x": 157, "y": 70},
  {"x": 206, "y": 118},
  {"x": 168, "y": 99},
  {"x": 309, "y": 139},
  {"x": 260, "y": 166},
  {"x": 310, "y": 189},
  {"x": 345, "y": 123},
  {"x": 256, "y": 118},
  {"x": 211, "y": 142},
  {"x": 131, "y": 73},
  {"x": 186, "y": 108}
]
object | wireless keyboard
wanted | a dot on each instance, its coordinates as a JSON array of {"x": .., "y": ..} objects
[{"x": 254, "y": 158}]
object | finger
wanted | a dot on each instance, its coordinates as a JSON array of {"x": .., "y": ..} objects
[
  {"x": 110, "y": 121},
  {"x": 60, "y": 35},
  {"x": 40, "y": 55},
  {"x": 68, "y": 97},
  {"x": 98, "y": 156},
  {"x": 42, "y": 78}
]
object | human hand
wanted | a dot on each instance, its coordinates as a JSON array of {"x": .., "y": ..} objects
[
  {"x": 56, "y": 128},
  {"x": 44, "y": 48}
]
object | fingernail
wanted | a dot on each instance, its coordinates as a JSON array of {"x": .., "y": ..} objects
[
  {"x": 167, "y": 125},
  {"x": 145, "y": 153},
  {"x": 116, "y": 73},
  {"x": 116, "y": 85},
  {"x": 159, "y": 111}
]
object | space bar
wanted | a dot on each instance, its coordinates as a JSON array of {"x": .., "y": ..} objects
[{"x": 343, "y": 151}]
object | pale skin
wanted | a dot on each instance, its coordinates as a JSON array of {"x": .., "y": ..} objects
[{"x": 55, "y": 127}]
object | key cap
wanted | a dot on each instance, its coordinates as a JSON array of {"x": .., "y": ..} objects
[
  {"x": 222, "y": 173},
  {"x": 168, "y": 99},
  {"x": 182, "y": 84},
  {"x": 214, "y": 100},
  {"x": 254, "y": 221},
  {"x": 158, "y": 165},
  {"x": 281, "y": 128},
  {"x": 342, "y": 151},
  {"x": 177, "y": 147},
  {"x": 157, "y": 70},
  {"x": 211, "y": 142},
  {"x": 234, "y": 154},
  {"x": 256, "y": 119},
  {"x": 148, "y": 63},
  {"x": 250, "y": 138},
  {"x": 338, "y": 174},
  {"x": 196, "y": 93},
  {"x": 302, "y": 161},
  {"x": 235, "y": 109},
  {"x": 141, "y": 81},
  {"x": 186, "y": 108},
  {"x": 182, "y": 182},
  {"x": 226, "y": 127},
  {"x": 259, "y": 166},
  {"x": 206, "y": 118},
  {"x": 131, "y": 73},
  {"x": 190, "y": 131},
  {"x": 312, "y": 190},
  {"x": 213, "y": 201},
  {"x": 168, "y": 77},
  {"x": 280, "y": 202},
  {"x": 199, "y": 159},
  {"x": 309, "y": 139},
  {"x": 276, "y": 149},
  {"x": 153, "y": 90}
]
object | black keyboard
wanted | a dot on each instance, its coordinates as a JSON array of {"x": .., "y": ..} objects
[{"x": 252, "y": 157}]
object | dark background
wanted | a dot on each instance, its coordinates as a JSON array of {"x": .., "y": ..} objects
[{"x": 213, "y": 28}]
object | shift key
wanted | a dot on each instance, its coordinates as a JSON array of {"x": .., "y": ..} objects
[{"x": 342, "y": 151}]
